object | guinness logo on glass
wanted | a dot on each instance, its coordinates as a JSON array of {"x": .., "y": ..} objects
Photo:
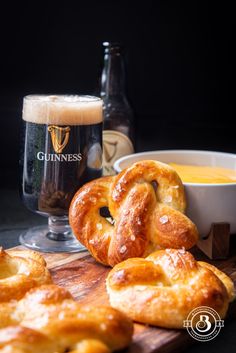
[{"x": 59, "y": 137}]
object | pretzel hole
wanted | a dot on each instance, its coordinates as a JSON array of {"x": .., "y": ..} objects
[
  {"x": 8, "y": 270},
  {"x": 154, "y": 185},
  {"x": 105, "y": 213}
]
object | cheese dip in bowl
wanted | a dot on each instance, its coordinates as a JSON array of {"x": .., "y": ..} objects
[{"x": 209, "y": 179}]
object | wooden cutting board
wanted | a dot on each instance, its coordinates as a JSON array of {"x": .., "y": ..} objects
[{"x": 85, "y": 279}]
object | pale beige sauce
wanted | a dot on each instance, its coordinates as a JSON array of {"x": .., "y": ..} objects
[{"x": 204, "y": 174}]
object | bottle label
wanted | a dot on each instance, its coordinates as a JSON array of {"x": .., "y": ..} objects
[{"x": 115, "y": 145}]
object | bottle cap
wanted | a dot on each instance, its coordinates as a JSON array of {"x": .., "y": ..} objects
[{"x": 112, "y": 47}]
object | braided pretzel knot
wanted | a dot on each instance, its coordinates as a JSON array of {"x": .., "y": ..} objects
[
  {"x": 144, "y": 219},
  {"x": 59, "y": 324},
  {"x": 162, "y": 289}
]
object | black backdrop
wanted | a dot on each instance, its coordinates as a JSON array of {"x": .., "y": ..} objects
[{"x": 178, "y": 61}]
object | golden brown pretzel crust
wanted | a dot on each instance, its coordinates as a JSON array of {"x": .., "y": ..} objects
[
  {"x": 57, "y": 323},
  {"x": 162, "y": 289},
  {"x": 145, "y": 219},
  {"x": 21, "y": 270}
]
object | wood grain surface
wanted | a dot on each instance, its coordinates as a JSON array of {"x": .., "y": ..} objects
[{"x": 85, "y": 279}]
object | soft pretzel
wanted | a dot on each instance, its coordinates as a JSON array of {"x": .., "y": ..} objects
[
  {"x": 59, "y": 324},
  {"x": 144, "y": 219},
  {"x": 162, "y": 289},
  {"x": 21, "y": 271}
]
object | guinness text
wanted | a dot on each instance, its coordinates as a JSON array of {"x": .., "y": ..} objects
[{"x": 53, "y": 157}]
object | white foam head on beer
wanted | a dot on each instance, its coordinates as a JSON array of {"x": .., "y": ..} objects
[{"x": 62, "y": 109}]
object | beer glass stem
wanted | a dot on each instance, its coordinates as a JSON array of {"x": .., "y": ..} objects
[{"x": 59, "y": 228}]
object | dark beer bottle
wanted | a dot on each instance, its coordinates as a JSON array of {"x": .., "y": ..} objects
[{"x": 118, "y": 134}]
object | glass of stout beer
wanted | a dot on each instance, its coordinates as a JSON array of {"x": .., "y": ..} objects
[{"x": 62, "y": 151}]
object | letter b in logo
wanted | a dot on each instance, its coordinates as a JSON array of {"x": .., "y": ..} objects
[{"x": 203, "y": 325}]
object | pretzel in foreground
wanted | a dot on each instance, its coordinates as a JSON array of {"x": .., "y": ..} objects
[
  {"x": 56, "y": 323},
  {"x": 162, "y": 289},
  {"x": 20, "y": 271},
  {"x": 144, "y": 218}
]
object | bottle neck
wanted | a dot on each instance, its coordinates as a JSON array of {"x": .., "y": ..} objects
[{"x": 113, "y": 76}]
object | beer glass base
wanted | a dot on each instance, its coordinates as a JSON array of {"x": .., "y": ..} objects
[{"x": 39, "y": 239}]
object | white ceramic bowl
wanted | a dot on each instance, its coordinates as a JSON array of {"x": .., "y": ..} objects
[{"x": 206, "y": 203}]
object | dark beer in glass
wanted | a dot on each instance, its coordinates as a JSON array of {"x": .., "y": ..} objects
[{"x": 62, "y": 151}]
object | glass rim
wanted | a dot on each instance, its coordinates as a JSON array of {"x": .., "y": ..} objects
[{"x": 63, "y": 98}]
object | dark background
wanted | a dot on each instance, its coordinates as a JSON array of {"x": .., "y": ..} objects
[
  {"x": 179, "y": 79},
  {"x": 178, "y": 61}
]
